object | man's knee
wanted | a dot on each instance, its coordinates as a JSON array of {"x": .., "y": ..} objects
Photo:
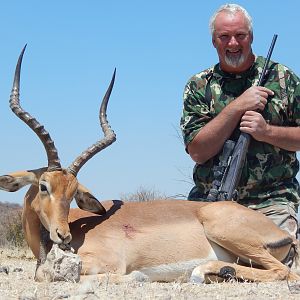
[
  {"x": 291, "y": 226},
  {"x": 283, "y": 216}
]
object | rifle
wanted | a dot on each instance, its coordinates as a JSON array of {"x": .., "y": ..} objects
[{"x": 228, "y": 173}]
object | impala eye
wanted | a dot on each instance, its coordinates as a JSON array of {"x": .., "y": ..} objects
[{"x": 43, "y": 187}]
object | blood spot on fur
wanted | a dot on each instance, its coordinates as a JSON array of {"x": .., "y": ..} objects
[{"x": 129, "y": 230}]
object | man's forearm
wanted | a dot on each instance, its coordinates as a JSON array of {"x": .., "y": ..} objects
[
  {"x": 287, "y": 138},
  {"x": 210, "y": 140}
]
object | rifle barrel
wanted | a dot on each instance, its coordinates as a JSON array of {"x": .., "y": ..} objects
[{"x": 267, "y": 60}]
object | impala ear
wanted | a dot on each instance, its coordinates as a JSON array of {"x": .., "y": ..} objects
[
  {"x": 14, "y": 181},
  {"x": 86, "y": 201}
]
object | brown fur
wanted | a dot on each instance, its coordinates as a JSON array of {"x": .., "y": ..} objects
[{"x": 160, "y": 239}]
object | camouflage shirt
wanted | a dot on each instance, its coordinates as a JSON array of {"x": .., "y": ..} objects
[{"x": 269, "y": 174}]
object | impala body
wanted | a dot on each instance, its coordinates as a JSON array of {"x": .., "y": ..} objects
[{"x": 154, "y": 241}]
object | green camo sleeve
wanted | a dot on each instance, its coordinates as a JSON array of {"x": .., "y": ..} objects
[
  {"x": 196, "y": 113},
  {"x": 294, "y": 100}
]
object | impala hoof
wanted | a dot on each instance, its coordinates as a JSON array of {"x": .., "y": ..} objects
[
  {"x": 197, "y": 279},
  {"x": 228, "y": 273},
  {"x": 197, "y": 276}
]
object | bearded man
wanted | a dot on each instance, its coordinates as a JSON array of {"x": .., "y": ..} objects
[{"x": 224, "y": 100}]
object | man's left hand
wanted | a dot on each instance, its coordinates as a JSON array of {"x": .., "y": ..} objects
[{"x": 253, "y": 123}]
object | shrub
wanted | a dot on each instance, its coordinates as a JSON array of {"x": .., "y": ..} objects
[
  {"x": 143, "y": 194},
  {"x": 11, "y": 231},
  {"x": 14, "y": 231}
]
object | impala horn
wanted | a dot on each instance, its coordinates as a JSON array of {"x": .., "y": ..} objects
[
  {"x": 109, "y": 135},
  {"x": 14, "y": 103}
]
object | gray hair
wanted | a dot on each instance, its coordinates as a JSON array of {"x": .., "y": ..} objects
[{"x": 230, "y": 9}]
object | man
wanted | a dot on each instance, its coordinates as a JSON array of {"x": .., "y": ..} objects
[{"x": 225, "y": 99}]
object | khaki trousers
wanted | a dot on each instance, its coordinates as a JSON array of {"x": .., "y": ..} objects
[{"x": 283, "y": 216}]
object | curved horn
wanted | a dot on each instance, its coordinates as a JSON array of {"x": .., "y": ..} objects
[
  {"x": 109, "y": 135},
  {"x": 14, "y": 103}
]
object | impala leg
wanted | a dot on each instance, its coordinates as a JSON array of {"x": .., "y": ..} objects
[
  {"x": 44, "y": 241},
  {"x": 251, "y": 237},
  {"x": 213, "y": 270},
  {"x": 252, "y": 252}
]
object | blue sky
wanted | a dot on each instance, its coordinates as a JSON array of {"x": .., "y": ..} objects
[{"x": 73, "y": 47}]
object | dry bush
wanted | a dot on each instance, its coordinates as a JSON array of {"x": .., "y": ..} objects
[
  {"x": 15, "y": 234},
  {"x": 11, "y": 231},
  {"x": 143, "y": 194}
]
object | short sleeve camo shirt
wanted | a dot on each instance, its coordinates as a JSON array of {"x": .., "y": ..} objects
[{"x": 269, "y": 174}]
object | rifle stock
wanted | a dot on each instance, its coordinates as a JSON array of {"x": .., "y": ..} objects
[{"x": 228, "y": 189}]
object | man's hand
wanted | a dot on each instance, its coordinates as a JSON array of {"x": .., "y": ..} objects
[
  {"x": 253, "y": 123},
  {"x": 254, "y": 98}
]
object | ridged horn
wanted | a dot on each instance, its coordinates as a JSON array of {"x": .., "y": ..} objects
[
  {"x": 109, "y": 135},
  {"x": 14, "y": 103}
]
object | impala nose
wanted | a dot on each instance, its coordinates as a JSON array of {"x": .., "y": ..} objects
[{"x": 64, "y": 237}]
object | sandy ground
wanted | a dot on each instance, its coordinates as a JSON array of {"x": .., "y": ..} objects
[{"x": 19, "y": 284}]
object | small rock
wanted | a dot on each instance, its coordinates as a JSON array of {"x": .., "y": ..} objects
[
  {"x": 60, "y": 266},
  {"x": 27, "y": 297},
  {"x": 4, "y": 270},
  {"x": 18, "y": 269}
]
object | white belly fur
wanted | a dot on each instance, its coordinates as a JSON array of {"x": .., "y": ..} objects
[{"x": 182, "y": 270}]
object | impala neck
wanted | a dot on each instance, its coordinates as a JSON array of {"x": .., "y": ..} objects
[{"x": 33, "y": 228}]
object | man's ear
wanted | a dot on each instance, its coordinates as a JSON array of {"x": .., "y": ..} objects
[
  {"x": 15, "y": 181},
  {"x": 213, "y": 41},
  {"x": 86, "y": 201},
  {"x": 251, "y": 37}
]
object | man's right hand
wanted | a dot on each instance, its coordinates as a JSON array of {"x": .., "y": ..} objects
[
  {"x": 254, "y": 98},
  {"x": 219, "y": 129}
]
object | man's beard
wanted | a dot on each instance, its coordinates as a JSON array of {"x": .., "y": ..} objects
[{"x": 234, "y": 60}]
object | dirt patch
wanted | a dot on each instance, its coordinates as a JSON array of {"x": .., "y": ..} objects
[{"x": 19, "y": 284}]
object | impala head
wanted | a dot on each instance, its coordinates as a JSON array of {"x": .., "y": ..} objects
[{"x": 53, "y": 188}]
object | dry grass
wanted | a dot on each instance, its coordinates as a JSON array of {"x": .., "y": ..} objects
[
  {"x": 19, "y": 284},
  {"x": 17, "y": 266}
]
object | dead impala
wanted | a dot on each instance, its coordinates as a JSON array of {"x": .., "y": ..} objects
[{"x": 155, "y": 241}]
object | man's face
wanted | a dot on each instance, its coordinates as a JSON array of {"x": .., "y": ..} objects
[{"x": 233, "y": 40}]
